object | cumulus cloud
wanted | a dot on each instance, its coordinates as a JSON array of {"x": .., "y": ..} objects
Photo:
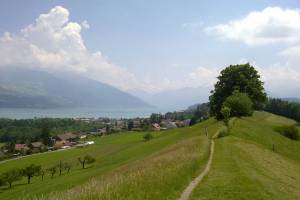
[
  {"x": 55, "y": 44},
  {"x": 271, "y": 25}
]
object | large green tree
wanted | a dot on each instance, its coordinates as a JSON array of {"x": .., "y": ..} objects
[{"x": 243, "y": 78}]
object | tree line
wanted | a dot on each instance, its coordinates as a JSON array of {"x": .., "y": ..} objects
[
  {"x": 33, "y": 170},
  {"x": 284, "y": 108}
]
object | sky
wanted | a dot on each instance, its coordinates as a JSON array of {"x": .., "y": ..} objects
[{"x": 155, "y": 46}]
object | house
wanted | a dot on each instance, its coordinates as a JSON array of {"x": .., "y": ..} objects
[
  {"x": 20, "y": 147},
  {"x": 58, "y": 145},
  {"x": 155, "y": 127},
  {"x": 136, "y": 124},
  {"x": 37, "y": 147},
  {"x": 121, "y": 124},
  {"x": 168, "y": 124},
  {"x": 102, "y": 131},
  {"x": 187, "y": 122},
  {"x": 67, "y": 137}
]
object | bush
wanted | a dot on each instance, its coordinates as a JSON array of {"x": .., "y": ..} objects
[
  {"x": 148, "y": 137},
  {"x": 289, "y": 132},
  {"x": 223, "y": 133},
  {"x": 239, "y": 104}
]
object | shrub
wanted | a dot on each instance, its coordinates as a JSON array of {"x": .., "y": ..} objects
[
  {"x": 223, "y": 133},
  {"x": 289, "y": 131},
  {"x": 239, "y": 104},
  {"x": 148, "y": 137}
]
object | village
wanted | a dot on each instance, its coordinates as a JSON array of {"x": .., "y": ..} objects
[{"x": 102, "y": 127}]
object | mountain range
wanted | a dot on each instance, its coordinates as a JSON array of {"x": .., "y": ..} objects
[{"x": 23, "y": 88}]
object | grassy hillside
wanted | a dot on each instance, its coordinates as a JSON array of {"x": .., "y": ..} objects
[
  {"x": 246, "y": 167},
  {"x": 125, "y": 163},
  {"x": 253, "y": 162}
]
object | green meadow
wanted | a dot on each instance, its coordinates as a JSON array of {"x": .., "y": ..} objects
[
  {"x": 252, "y": 162},
  {"x": 175, "y": 156}
]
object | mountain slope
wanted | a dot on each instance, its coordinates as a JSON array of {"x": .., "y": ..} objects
[
  {"x": 35, "y": 89},
  {"x": 176, "y": 99}
]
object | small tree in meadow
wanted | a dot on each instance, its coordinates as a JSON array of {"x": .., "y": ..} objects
[
  {"x": 52, "y": 170},
  {"x": 11, "y": 176},
  {"x": 30, "y": 171},
  {"x": 148, "y": 137},
  {"x": 86, "y": 160},
  {"x": 67, "y": 166},
  {"x": 225, "y": 111},
  {"x": 42, "y": 173}
]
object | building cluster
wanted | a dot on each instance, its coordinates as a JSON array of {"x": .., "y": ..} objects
[
  {"x": 103, "y": 126},
  {"x": 62, "y": 141},
  {"x": 136, "y": 124}
]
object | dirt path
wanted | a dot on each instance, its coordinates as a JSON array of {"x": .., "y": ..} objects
[{"x": 188, "y": 190}]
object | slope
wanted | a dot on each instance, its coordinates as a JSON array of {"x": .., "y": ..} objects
[
  {"x": 245, "y": 165},
  {"x": 126, "y": 167},
  {"x": 36, "y": 89}
]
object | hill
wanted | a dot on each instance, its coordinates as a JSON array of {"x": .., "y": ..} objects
[
  {"x": 21, "y": 88},
  {"x": 253, "y": 162}
]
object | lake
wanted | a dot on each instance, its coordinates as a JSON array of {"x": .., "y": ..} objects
[{"x": 27, "y": 113}]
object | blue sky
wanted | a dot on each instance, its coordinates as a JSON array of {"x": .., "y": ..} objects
[{"x": 163, "y": 45}]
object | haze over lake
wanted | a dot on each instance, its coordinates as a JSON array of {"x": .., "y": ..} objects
[{"x": 27, "y": 113}]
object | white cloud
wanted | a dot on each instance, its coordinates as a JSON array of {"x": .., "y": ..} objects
[
  {"x": 271, "y": 25},
  {"x": 291, "y": 52},
  {"x": 281, "y": 80},
  {"x": 192, "y": 25},
  {"x": 85, "y": 24},
  {"x": 55, "y": 44}
]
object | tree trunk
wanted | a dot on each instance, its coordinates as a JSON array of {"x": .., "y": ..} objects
[
  {"x": 28, "y": 180},
  {"x": 10, "y": 185},
  {"x": 60, "y": 167},
  {"x": 83, "y": 165}
]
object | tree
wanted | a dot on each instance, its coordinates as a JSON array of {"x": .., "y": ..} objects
[
  {"x": 11, "y": 176},
  {"x": 42, "y": 173},
  {"x": 148, "y": 137},
  {"x": 45, "y": 133},
  {"x": 52, "y": 170},
  {"x": 60, "y": 167},
  {"x": 67, "y": 166},
  {"x": 30, "y": 171},
  {"x": 285, "y": 108},
  {"x": 130, "y": 125},
  {"x": 239, "y": 104},
  {"x": 243, "y": 78},
  {"x": 156, "y": 118},
  {"x": 86, "y": 160},
  {"x": 225, "y": 111}
]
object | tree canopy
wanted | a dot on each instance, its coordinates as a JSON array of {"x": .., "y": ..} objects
[
  {"x": 243, "y": 78},
  {"x": 239, "y": 104}
]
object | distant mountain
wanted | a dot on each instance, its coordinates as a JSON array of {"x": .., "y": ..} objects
[
  {"x": 292, "y": 99},
  {"x": 20, "y": 88},
  {"x": 176, "y": 99}
]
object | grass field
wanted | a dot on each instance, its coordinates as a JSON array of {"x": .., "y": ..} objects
[
  {"x": 119, "y": 157},
  {"x": 253, "y": 162},
  {"x": 246, "y": 167}
]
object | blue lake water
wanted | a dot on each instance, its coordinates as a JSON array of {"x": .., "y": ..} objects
[{"x": 27, "y": 113}]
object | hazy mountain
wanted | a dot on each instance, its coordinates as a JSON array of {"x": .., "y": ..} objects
[
  {"x": 176, "y": 99},
  {"x": 35, "y": 89}
]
